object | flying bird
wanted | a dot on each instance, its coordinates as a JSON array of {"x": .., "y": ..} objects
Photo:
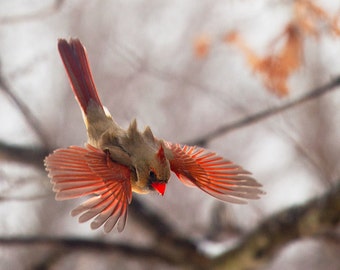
[{"x": 116, "y": 162}]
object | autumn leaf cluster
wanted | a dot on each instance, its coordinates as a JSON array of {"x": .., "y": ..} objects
[{"x": 285, "y": 52}]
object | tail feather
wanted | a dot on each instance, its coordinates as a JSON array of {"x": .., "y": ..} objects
[{"x": 79, "y": 73}]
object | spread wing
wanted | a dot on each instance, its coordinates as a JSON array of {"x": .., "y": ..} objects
[
  {"x": 218, "y": 177},
  {"x": 77, "y": 171}
]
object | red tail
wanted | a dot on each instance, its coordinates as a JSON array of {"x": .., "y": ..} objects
[{"x": 79, "y": 73}]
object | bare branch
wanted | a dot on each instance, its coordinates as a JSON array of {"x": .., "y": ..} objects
[
  {"x": 28, "y": 155},
  {"x": 317, "y": 92},
  {"x": 84, "y": 245}
]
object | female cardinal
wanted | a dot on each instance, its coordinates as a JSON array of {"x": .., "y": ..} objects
[{"x": 115, "y": 162}]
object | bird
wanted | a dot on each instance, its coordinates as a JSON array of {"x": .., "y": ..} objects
[{"x": 115, "y": 162}]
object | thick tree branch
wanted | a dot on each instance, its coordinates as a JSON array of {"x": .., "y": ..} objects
[
  {"x": 84, "y": 244},
  {"x": 28, "y": 155},
  {"x": 315, "y": 93}
]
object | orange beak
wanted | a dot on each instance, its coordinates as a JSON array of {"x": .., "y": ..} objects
[{"x": 160, "y": 187}]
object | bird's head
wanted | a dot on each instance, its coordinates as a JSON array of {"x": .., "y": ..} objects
[{"x": 153, "y": 171}]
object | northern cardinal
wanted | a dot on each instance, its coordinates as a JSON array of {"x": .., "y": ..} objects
[{"x": 115, "y": 162}]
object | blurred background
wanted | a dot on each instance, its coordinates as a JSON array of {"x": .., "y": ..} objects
[{"x": 241, "y": 78}]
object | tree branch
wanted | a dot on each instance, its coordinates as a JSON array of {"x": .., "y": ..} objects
[
  {"x": 256, "y": 117},
  {"x": 86, "y": 244},
  {"x": 28, "y": 155}
]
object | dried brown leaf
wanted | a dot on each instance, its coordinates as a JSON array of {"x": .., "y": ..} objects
[
  {"x": 201, "y": 46},
  {"x": 274, "y": 69},
  {"x": 308, "y": 16}
]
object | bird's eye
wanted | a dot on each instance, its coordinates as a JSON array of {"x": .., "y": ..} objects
[{"x": 152, "y": 175}]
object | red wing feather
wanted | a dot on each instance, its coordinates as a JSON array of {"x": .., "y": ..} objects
[
  {"x": 211, "y": 173},
  {"x": 76, "y": 172}
]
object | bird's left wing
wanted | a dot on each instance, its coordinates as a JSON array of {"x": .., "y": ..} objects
[
  {"x": 77, "y": 171},
  {"x": 218, "y": 177}
]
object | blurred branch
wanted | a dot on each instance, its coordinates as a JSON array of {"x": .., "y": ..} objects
[
  {"x": 50, "y": 260},
  {"x": 45, "y": 12},
  {"x": 28, "y": 155},
  {"x": 222, "y": 223},
  {"x": 180, "y": 248},
  {"x": 311, "y": 159},
  {"x": 84, "y": 245},
  {"x": 315, "y": 93},
  {"x": 149, "y": 219},
  {"x": 26, "y": 112},
  {"x": 23, "y": 199},
  {"x": 317, "y": 217},
  {"x": 142, "y": 65}
]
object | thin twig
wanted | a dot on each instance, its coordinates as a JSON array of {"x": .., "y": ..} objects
[{"x": 26, "y": 112}]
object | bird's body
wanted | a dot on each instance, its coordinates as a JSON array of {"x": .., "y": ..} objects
[{"x": 116, "y": 161}]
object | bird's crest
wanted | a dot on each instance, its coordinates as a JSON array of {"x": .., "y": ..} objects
[{"x": 148, "y": 134}]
